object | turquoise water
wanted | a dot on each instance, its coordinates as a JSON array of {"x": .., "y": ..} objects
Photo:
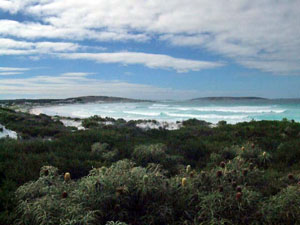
[{"x": 170, "y": 111}]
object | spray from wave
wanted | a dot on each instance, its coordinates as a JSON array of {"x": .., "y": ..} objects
[{"x": 178, "y": 111}]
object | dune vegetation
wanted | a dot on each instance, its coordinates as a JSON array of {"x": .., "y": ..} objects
[{"x": 119, "y": 174}]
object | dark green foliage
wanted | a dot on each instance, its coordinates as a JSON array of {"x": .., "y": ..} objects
[
  {"x": 139, "y": 195},
  {"x": 195, "y": 122},
  {"x": 31, "y": 126},
  {"x": 158, "y": 158},
  {"x": 103, "y": 151},
  {"x": 144, "y": 154},
  {"x": 156, "y": 153},
  {"x": 288, "y": 153},
  {"x": 283, "y": 208}
]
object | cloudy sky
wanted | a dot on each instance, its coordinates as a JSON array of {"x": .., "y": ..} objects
[{"x": 154, "y": 49}]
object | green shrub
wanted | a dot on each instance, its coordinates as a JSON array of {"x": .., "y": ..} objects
[
  {"x": 161, "y": 191},
  {"x": 215, "y": 158},
  {"x": 48, "y": 201},
  {"x": 288, "y": 153},
  {"x": 125, "y": 192},
  {"x": 99, "y": 148},
  {"x": 103, "y": 150},
  {"x": 249, "y": 152},
  {"x": 283, "y": 208},
  {"x": 122, "y": 192},
  {"x": 228, "y": 153},
  {"x": 115, "y": 223},
  {"x": 223, "y": 208},
  {"x": 144, "y": 154}
]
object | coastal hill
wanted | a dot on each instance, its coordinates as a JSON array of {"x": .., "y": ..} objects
[
  {"x": 228, "y": 98},
  {"x": 83, "y": 99}
]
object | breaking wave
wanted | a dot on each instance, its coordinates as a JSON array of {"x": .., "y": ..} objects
[{"x": 177, "y": 111}]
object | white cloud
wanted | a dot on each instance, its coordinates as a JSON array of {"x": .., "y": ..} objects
[
  {"x": 71, "y": 86},
  {"x": 258, "y": 33},
  {"x": 13, "y": 47},
  {"x": 13, "y": 6},
  {"x": 10, "y": 73},
  {"x": 56, "y": 46},
  {"x": 186, "y": 40},
  {"x": 149, "y": 60},
  {"x": 13, "y": 69},
  {"x": 76, "y": 74},
  {"x": 35, "y": 30}
]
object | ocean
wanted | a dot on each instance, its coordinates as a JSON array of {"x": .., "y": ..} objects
[{"x": 232, "y": 111}]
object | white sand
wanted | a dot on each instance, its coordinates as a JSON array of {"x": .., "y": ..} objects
[
  {"x": 144, "y": 125},
  {"x": 8, "y": 133},
  {"x": 35, "y": 111},
  {"x": 72, "y": 123}
]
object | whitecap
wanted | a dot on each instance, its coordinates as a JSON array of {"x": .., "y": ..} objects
[
  {"x": 232, "y": 109},
  {"x": 158, "y": 106},
  {"x": 143, "y": 113},
  {"x": 208, "y": 116}
]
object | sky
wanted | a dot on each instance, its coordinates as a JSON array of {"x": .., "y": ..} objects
[{"x": 149, "y": 49}]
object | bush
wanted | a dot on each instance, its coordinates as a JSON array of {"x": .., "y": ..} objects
[
  {"x": 214, "y": 207},
  {"x": 288, "y": 153},
  {"x": 47, "y": 201},
  {"x": 115, "y": 223},
  {"x": 228, "y": 153},
  {"x": 249, "y": 152},
  {"x": 144, "y": 154},
  {"x": 99, "y": 148},
  {"x": 122, "y": 192},
  {"x": 138, "y": 195},
  {"x": 283, "y": 208},
  {"x": 160, "y": 192},
  {"x": 104, "y": 151}
]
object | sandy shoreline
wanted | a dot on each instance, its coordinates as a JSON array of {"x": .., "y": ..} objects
[
  {"x": 7, "y": 133},
  {"x": 145, "y": 125}
]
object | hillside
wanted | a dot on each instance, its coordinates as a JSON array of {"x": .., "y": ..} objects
[
  {"x": 228, "y": 98},
  {"x": 83, "y": 99}
]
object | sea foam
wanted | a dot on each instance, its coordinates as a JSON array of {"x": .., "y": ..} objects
[
  {"x": 178, "y": 111},
  {"x": 241, "y": 109}
]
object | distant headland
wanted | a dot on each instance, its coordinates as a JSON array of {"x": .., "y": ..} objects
[
  {"x": 228, "y": 98},
  {"x": 75, "y": 100}
]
